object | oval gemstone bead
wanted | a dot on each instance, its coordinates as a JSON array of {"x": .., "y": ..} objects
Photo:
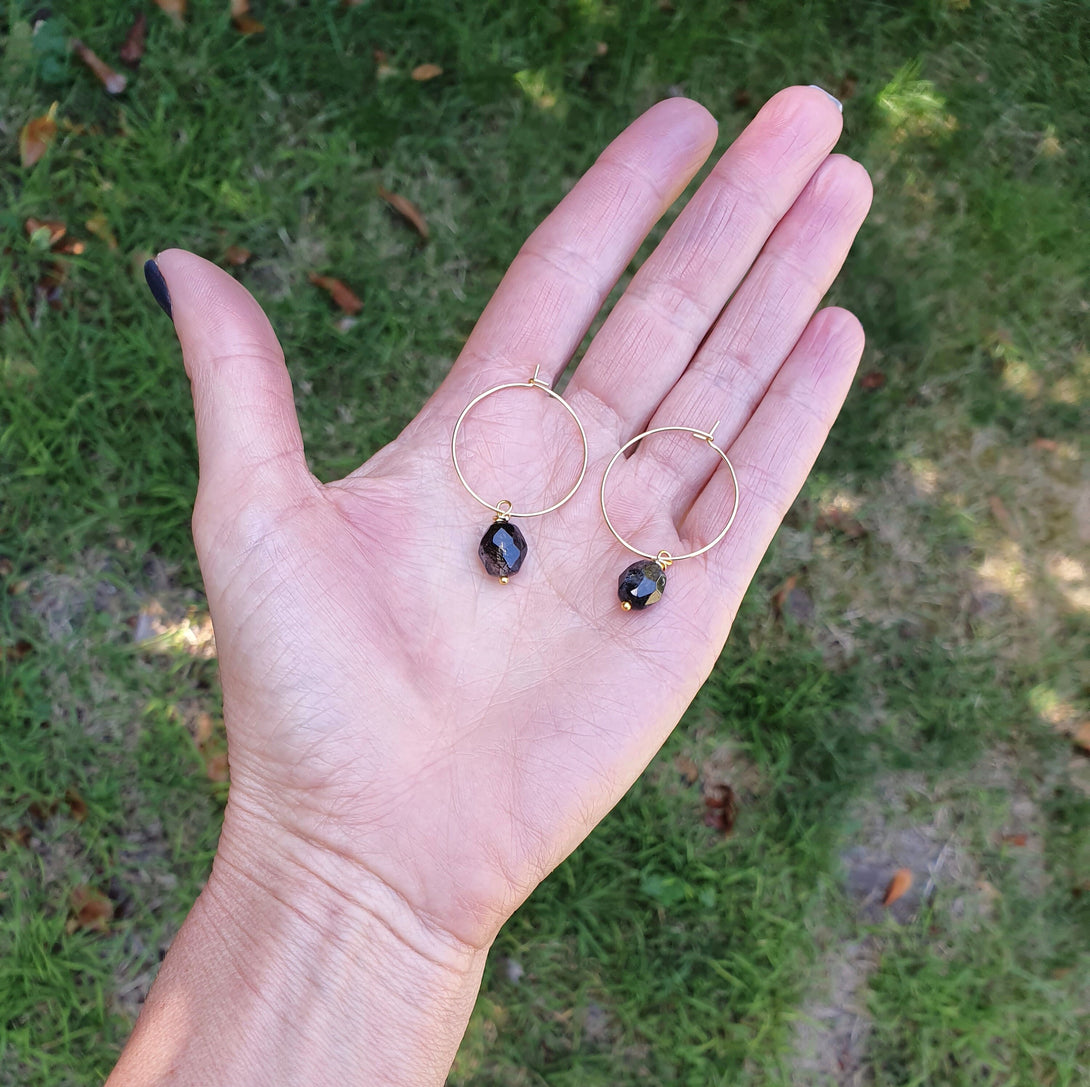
[
  {"x": 503, "y": 547},
  {"x": 642, "y": 584}
]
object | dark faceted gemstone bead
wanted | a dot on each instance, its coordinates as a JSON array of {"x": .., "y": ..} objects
[
  {"x": 642, "y": 584},
  {"x": 503, "y": 547}
]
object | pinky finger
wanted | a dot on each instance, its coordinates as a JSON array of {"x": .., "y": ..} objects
[{"x": 776, "y": 449}]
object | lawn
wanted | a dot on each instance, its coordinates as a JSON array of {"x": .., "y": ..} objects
[{"x": 906, "y": 687}]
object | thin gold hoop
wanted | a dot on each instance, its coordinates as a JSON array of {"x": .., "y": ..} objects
[
  {"x": 665, "y": 558},
  {"x": 533, "y": 383}
]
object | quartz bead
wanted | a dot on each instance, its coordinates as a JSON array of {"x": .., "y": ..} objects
[
  {"x": 503, "y": 547},
  {"x": 641, "y": 584}
]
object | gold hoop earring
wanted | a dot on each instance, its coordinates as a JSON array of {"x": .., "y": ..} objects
[
  {"x": 643, "y": 583},
  {"x": 503, "y": 546}
]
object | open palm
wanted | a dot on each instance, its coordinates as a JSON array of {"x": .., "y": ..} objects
[{"x": 396, "y": 717}]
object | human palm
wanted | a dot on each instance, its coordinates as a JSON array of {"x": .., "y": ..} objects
[{"x": 398, "y": 718}]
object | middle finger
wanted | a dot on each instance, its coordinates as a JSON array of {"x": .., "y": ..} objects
[{"x": 655, "y": 328}]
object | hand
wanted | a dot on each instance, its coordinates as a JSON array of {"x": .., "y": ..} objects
[{"x": 422, "y": 739}]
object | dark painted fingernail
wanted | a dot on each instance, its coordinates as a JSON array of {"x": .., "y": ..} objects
[
  {"x": 836, "y": 101},
  {"x": 158, "y": 287}
]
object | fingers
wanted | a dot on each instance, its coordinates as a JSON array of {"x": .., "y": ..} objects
[
  {"x": 655, "y": 328},
  {"x": 567, "y": 267},
  {"x": 739, "y": 359},
  {"x": 776, "y": 450},
  {"x": 248, "y": 438}
]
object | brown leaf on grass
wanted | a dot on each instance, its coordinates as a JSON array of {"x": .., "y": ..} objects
[
  {"x": 236, "y": 256},
  {"x": 77, "y": 806},
  {"x": 383, "y": 67},
  {"x": 174, "y": 8},
  {"x": 242, "y": 20},
  {"x": 215, "y": 766},
  {"x": 873, "y": 379},
  {"x": 407, "y": 209},
  {"x": 19, "y": 651},
  {"x": 779, "y": 596},
  {"x": 423, "y": 72},
  {"x": 841, "y": 522},
  {"x": 1017, "y": 840},
  {"x": 91, "y": 910},
  {"x": 202, "y": 728},
  {"x": 601, "y": 48},
  {"x": 340, "y": 294},
  {"x": 20, "y": 836},
  {"x": 1082, "y": 736},
  {"x": 898, "y": 886},
  {"x": 5, "y": 567},
  {"x": 721, "y": 806},
  {"x": 132, "y": 50},
  {"x": 789, "y": 599},
  {"x": 56, "y": 229},
  {"x": 36, "y": 136},
  {"x": 687, "y": 769},
  {"x": 42, "y": 809},
  {"x": 1001, "y": 514},
  {"x": 98, "y": 226},
  {"x": 114, "y": 82},
  {"x": 846, "y": 88},
  {"x": 1048, "y": 445}
]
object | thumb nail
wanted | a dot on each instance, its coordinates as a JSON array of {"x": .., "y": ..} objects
[{"x": 158, "y": 287}]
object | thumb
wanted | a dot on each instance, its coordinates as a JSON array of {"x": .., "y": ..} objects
[{"x": 248, "y": 440}]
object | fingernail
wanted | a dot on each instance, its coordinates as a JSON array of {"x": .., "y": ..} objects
[
  {"x": 839, "y": 104},
  {"x": 158, "y": 287}
]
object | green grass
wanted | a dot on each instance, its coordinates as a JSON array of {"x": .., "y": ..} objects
[{"x": 908, "y": 697}]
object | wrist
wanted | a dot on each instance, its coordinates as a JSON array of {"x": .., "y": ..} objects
[{"x": 291, "y": 970}]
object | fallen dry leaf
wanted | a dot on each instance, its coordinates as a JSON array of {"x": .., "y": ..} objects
[
  {"x": 114, "y": 82},
  {"x": 1082, "y": 736},
  {"x": 780, "y": 594},
  {"x": 77, "y": 806},
  {"x": 5, "y": 567},
  {"x": 1001, "y": 514},
  {"x": 91, "y": 910},
  {"x": 898, "y": 886},
  {"x": 407, "y": 209},
  {"x": 56, "y": 229},
  {"x": 236, "y": 255},
  {"x": 98, "y": 226},
  {"x": 19, "y": 651},
  {"x": 242, "y": 20},
  {"x": 841, "y": 522},
  {"x": 174, "y": 8},
  {"x": 132, "y": 50},
  {"x": 36, "y": 136},
  {"x": 1049, "y": 445},
  {"x": 20, "y": 836},
  {"x": 846, "y": 88},
  {"x": 721, "y": 806},
  {"x": 873, "y": 379},
  {"x": 1015, "y": 839},
  {"x": 215, "y": 766},
  {"x": 423, "y": 72},
  {"x": 340, "y": 294},
  {"x": 383, "y": 67},
  {"x": 687, "y": 769},
  {"x": 601, "y": 48},
  {"x": 202, "y": 728}
]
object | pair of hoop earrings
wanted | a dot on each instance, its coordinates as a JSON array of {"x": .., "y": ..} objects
[{"x": 503, "y": 547}]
